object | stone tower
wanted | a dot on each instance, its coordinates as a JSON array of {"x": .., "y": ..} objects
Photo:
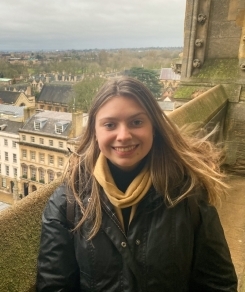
[{"x": 214, "y": 53}]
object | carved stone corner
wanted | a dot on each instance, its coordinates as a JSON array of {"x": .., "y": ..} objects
[
  {"x": 201, "y": 18},
  {"x": 196, "y": 63},
  {"x": 199, "y": 42},
  {"x": 242, "y": 66}
]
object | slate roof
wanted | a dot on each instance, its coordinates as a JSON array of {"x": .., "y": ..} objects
[
  {"x": 9, "y": 96},
  {"x": 51, "y": 118},
  {"x": 11, "y": 126},
  {"x": 4, "y": 206},
  {"x": 8, "y": 109},
  {"x": 56, "y": 93},
  {"x": 169, "y": 74},
  {"x": 18, "y": 86}
]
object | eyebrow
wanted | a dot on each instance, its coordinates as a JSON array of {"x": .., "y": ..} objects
[{"x": 131, "y": 117}]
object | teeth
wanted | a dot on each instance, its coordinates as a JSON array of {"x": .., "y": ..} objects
[{"x": 124, "y": 149}]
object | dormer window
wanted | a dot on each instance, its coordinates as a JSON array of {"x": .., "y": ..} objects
[
  {"x": 39, "y": 123},
  {"x": 60, "y": 127}
]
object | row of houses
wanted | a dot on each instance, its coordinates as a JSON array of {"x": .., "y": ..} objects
[
  {"x": 35, "y": 146},
  {"x": 55, "y": 91}
]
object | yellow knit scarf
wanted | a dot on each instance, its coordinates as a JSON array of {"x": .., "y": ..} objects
[{"x": 134, "y": 193}]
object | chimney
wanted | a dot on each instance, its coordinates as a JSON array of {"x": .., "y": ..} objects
[
  {"x": 28, "y": 91},
  {"x": 77, "y": 124},
  {"x": 28, "y": 112}
]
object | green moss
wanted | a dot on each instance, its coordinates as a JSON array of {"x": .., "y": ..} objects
[
  {"x": 200, "y": 110},
  {"x": 187, "y": 92},
  {"x": 20, "y": 227},
  {"x": 218, "y": 69}
]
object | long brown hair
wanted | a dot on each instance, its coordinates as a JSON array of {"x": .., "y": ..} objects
[{"x": 176, "y": 161}]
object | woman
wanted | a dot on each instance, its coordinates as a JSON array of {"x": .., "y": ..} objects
[{"x": 144, "y": 217}]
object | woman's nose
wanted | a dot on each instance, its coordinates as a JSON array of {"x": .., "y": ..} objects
[{"x": 123, "y": 133}]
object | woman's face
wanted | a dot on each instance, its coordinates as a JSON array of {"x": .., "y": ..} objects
[{"x": 124, "y": 132}]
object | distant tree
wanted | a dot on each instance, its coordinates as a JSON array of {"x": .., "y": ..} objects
[
  {"x": 149, "y": 77},
  {"x": 84, "y": 92}
]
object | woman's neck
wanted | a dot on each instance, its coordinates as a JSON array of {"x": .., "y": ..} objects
[{"x": 124, "y": 178}]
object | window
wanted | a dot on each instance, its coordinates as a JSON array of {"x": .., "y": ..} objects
[
  {"x": 33, "y": 155},
  {"x": 41, "y": 157},
  {"x": 60, "y": 161},
  {"x": 57, "y": 109},
  {"x": 51, "y": 142},
  {"x": 24, "y": 153},
  {"x": 14, "y": 144},
  {"x": 6, "y": 156},
  {"x": 61, "y": 126},
  {"x": 50, "y": 176},
  {"x": 58, "y": 129},
  {"x": 15, "y": 158},
  {"x": 37, "y": 125},
  {"x": 41, "y": 175},
  {"x": 61, "y": 144},
  {"x": 23, "y": 137},
  {"x": 41, "y": 141},
  {"x": 15, "y": 172},
  {"x": 51, "y": 159},
  {"x": 5, "y": 142},
  {"x": 32, "y": 139},
  {"x": 33, "y": 173},
  {"x": 49, "y": 108},
  {"x": 7, "y": 170},
  {"x": 24, "y": 171},
  {"x": 4, "y": 182}
]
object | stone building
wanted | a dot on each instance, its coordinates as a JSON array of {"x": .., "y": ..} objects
[
  {"x": 214, "y": 54},
  {"x": 55, "y": 97},
  {"x": 16, "y": 98},
  {"x": 9, "y": 154},
  {"x": 44, "y": 142},
  {"x": 168, "y": 78}
]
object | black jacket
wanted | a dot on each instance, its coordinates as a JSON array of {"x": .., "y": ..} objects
[{"x": 170, "y": 255}]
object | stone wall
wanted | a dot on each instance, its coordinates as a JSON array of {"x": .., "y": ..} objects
[
  {"x": 235, "y": 138},
  {"x": 20, "y": 227}
]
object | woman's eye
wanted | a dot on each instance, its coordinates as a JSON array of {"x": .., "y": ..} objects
[
  {"x": 137, "y": 122},
  {"x": 109, "y": 125}
]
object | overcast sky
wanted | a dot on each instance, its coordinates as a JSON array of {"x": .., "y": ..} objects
[{"x": 90, "y": 24}]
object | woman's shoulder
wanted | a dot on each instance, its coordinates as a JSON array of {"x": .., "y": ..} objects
[{"x": 57, "y": 203}]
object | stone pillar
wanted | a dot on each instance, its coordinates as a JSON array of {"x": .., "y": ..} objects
[
  {"x": 77, "y": 124},
  {"x": 241, "y": 52},
  {"x": 28, "y": 91},
  {"x": 16, "y": 191}
]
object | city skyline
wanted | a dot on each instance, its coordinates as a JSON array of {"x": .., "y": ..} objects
[{"x": 80, "y": 25}]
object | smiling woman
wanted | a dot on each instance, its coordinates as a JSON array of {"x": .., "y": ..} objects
[
  {"x": 124, "y": 132},
  {"x": 142, "y": 197}
]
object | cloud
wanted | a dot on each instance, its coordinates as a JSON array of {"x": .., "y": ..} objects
[{"x": 84, "y": 24}]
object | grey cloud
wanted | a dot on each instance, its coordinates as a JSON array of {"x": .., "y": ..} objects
[{"x": 97, "y": 23}]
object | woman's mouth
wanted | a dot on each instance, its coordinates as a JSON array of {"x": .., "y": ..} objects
[{"x": 125, "y": 149}]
